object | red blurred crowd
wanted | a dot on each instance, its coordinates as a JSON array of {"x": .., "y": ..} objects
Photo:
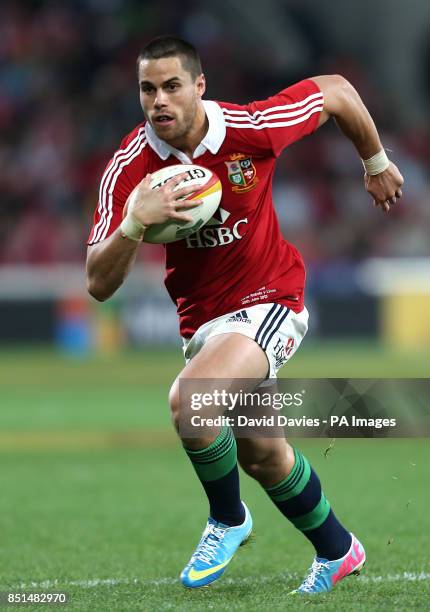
[{"x": 68, "y": 94}]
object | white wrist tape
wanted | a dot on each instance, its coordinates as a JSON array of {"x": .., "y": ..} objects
[
  {"x": 132, "y": 228},
  {"x": 376, "y": 164}
]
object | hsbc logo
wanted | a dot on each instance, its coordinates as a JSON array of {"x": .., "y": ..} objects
[
  {"x": 215, "y": 233},
  {"x": 217, "y": 236}
]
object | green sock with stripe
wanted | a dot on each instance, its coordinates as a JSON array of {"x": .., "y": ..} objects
[
  {"x": 216, "y": 468},
  {"x": 299, "y": 497}
]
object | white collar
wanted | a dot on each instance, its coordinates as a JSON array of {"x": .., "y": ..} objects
[{"x": 211, "y": 142}]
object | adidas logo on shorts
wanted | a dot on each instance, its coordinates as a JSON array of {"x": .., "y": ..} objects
[{"x": 239, "y": 317}]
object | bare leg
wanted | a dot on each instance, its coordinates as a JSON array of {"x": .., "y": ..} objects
[{"x": 213, "y": 453}]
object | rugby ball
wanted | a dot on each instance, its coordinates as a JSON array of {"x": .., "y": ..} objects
[{"x": 210, "y": 192}]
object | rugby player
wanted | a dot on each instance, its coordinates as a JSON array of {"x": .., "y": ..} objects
[{"x": 237, "y": 284}]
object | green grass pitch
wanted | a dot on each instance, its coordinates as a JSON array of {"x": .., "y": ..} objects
[{"x": 98, "y": 499}]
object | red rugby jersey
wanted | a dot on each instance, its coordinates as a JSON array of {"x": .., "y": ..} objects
[{"x": 239, "y": 258}]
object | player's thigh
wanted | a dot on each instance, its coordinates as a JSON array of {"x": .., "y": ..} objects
[
  {"x": 236, "y": 359},
  {"x": 229, "y": 355}
]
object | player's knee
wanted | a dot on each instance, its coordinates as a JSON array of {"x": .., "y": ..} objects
[
  {"x": 180, "y": 412},
  {"x": 175, "y": 406}
]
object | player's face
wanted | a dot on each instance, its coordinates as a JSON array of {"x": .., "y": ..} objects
[{"x": 169, "y": 97}]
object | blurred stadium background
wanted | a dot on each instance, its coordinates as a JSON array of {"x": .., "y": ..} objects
[
  {"x": 69, "y": 94},
  {"x": 75, "y": 374}
]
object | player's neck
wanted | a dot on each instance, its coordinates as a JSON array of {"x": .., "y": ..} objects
[{"x": 188, "y": 143}]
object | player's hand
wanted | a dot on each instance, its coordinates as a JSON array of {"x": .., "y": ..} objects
[
  {"x": 152, "y": 206},
  {"x": 385, "y": 188}
]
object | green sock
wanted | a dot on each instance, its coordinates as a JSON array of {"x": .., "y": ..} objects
[
  {"x": 299, "y": 497},
  {"x": 216, "y": 468}
]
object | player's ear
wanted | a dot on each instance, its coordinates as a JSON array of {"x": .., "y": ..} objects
[{"x": 201, "y": 84}]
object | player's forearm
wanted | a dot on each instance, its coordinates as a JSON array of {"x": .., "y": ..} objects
[
  {"x": 342, "y": 102},
  {"x": 356, "y": 123},
  {"x": 108, "y": 264},
  {"x": 382, "y": 178}
]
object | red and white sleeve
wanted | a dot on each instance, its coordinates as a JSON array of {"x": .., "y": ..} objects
[
  {"x": 274, "y": 123},
  {"x": 115, "y": 187}
]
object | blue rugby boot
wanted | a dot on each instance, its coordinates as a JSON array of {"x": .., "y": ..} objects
[
  {"x": 324, "y": 574},
  {"x": 215, "y": 550}
]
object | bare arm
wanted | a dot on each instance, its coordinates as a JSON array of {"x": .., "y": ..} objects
[
  {"x": 342, "y": 102},
  {"x": 108, "y": 264},
  {"x": 110, "y": 261}
]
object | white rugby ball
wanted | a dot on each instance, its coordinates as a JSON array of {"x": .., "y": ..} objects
[{"x": 210, "y": 192}]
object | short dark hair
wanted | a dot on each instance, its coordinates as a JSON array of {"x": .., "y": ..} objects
[{"x": 171, "y": 46}]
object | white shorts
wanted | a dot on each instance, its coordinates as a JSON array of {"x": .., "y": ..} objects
[{"x": 276, "y": 328}]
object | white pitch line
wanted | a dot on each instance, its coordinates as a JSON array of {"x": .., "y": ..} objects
[{"x": 169, "y": 581}]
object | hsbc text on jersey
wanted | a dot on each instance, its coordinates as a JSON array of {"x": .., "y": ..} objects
[{"x": 216, "y": 236}]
